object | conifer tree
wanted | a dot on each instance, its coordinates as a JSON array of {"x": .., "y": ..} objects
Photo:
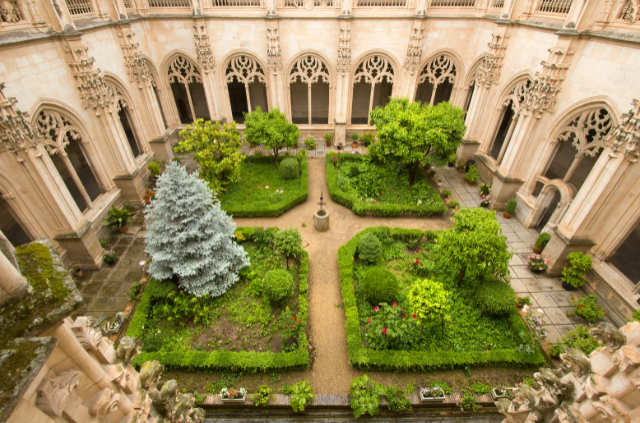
[{"x": 190, "y": 237}]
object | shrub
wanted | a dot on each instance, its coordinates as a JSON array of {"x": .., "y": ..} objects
[
  {"x": 574, "y": 274},
  {"x": 578, "y": 338},
  {"x": 453, "y": 204},
  {"x": 278, "y": 285},
  {"x": 635, "y": 316},
  {"x": 536, "y": 263},
  {"x": 262, "y": 396},
  {"x": 301, "y": 395},
  {"x": 429, "y": 301},
  {"x": 397, "y": 398},
  {"x": 310, "y": 143},
  {"x": 289, "y": 169},
  {"x": 495, "y": 297},
  {"x": 587, "y": 307},
  {"x": 480, "y": 388},
  {"x": 369, "y": 248},
  {"x": 355, "y": 137},
  {"x": 473, "y": 174},
  {"x": 365, "y": 396},
  {"x": 289, "y": 243},
  {"x": 469, "y": 402},
  {"x": 485, "y": 189},
  {"x": 542, "y": 240},
  {"x": 510, "y": 208},
  {"x": 446, "y": 193},
  {"x": 117, "y": 218},
  {"x": 379, "y": 285},
  {"x": 154, "y": 169}
]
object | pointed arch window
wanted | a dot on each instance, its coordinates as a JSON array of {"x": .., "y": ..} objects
[
  {"x": 188, "y": 92},
  {"x": 247, "y": 86},
  {"x": 309, "y": 86},
  {"x": 372, "y": 87},
  {"x": 579, "y": 144},
  {"x": 436, "y": 81},
  {"x": 124, "y": 114},
  {"x": 64, "y": 143},
  {"x": 511, "y": 108}
]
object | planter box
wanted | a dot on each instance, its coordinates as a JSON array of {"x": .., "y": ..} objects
[
  {"x": 116, "y": 328},
  {"x": 235, "y": 400},
  {"x": 496, "y": 396},
  {"x": 431, "y": 399}
]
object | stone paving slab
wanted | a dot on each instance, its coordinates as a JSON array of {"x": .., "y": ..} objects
[{"x": 544, "y": 299}]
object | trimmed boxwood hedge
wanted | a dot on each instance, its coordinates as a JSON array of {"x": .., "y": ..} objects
[
  {"x": 364, "y": 358},
  {"x": 226, "y": 360},
  {"x": 273, "y": 210},
  {"x": 362, "y": 209}
]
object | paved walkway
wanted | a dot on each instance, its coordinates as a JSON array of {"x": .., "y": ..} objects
[{"x": 546, "y": 293}]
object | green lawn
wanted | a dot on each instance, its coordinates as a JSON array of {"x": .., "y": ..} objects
[{"x": 261, "y": 190}]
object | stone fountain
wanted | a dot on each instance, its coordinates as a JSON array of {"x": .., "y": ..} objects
[{"x": 321, "y": 216}]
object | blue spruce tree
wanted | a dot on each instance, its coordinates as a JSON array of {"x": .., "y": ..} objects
[{"x": 189, "y": 236}]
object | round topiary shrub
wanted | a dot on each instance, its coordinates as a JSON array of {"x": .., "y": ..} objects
[
  {"x": 289, "y": 168},
  {"x": 278, "y": 285},
  {"x": 369, "y": 248},
  {"x": 495, "y": 297},
  {"x": 379, "y": 285}
]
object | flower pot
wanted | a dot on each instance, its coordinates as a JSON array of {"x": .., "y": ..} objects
[
  {"x": 460, "y": 169},
  {"x": 536, "y": 270},
  {"x": 484, "y": 205},
  {"x": 78, "y": 274},
  {"x": 431, "y": 399},
  {"x": 154, "y": 178},
  {"x": 471, "y": 182},
  {"x": 536, "y": 250},
  {"x": 116, "y": 323},
  {"x": 507, "y": 215},
  {"x": 240, "y": 400},
  {"x": 328, "y": 144},
  {"x": 354, "y": 144},
  {"x": 496, "y": 394},
  {"x": 124, "y": 229},
  {"x": 568, "y": 287},
  {"x": 450, "y": 164}
]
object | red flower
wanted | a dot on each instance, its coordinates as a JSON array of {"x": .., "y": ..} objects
[
  {"x": 293, "y": 318},
  {"x": 415, "y": 316},
  {"x": 298, "y": 321},
  {"x": 369, "y": 321},
  {"x": 384, "y": 331},
  {"x": 403, "y": 315},
  {"x": 291, "y": 325},
  {"x": 284, "y": 326},
  {"x": 375, "y": 309},
  {"x": 395, "y": 304}
]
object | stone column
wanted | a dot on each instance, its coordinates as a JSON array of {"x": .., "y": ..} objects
[
  {"x": 413, "y": 59},
  {"x": 11, "y": 280},
  {"x": 277, "y": 79},
  {"x": 343, "y": 79},
  {"x": 208, "y": 68}
]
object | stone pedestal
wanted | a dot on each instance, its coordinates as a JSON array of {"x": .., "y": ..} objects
[
  {"x": 161, "y": 148},
  {"x": 467, "y": 150},
  {"x": 321, "y": 220}
]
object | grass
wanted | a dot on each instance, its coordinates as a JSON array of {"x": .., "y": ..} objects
[{"x": 259, "y": 189}]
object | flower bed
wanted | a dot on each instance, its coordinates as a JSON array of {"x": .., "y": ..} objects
[
  {"x": 262, "y": 191},
  {"x": 239, "y": 330},
  {"x": 387, "y": 338},
  {"x": 380, "y": 189}
]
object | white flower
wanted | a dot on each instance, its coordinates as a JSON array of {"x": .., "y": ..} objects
[
  {"x": 141, "y": 263},
  {"x": 541, "y": 311},
  {"x": 525, "y": 309},
  {"x": 267, "y": 186}
]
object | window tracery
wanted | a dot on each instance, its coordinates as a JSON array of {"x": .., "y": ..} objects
[
  {"x": 186, "y": 84},
  {"x": 309, "y": 69},
  {"x": 245, "y": 70},
  {"x": 56, "y": 131},
  {"x": 517, "y": 96},
  {"x": 587, "y": 132},
  {"x": 183, "y": 71},
  {"x": 310, "y": 105},
  {"x": 374, "y": 70},
  {"x": 439, "y": 70},
  {"x": 374, "y": 79}
]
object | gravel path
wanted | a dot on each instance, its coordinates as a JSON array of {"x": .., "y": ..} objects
[{"x": 327, "y": 322}]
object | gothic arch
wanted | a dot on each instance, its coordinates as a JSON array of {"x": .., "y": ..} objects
[
  {"x": 548, "y": 208},
  {"x": 245, "y": 79},
  {"x": 160, "y": 89},
  {"x": 312, "y": 69},
  {"x": 71, "y": 151},
  {"x": 184, "y": 78},
  {"x": 509, "y": 105},
  {"x": 440, "y": 77},
  {"x": 374, "y": 78},
  {"x": 128, "y": 115}
]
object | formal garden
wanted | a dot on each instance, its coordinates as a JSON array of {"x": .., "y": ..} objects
[{"x": 421, "y": 304}]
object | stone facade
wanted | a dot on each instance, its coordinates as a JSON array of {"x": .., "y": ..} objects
[{"x": 545, "y": 83}]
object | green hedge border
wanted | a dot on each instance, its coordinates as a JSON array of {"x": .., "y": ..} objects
[
  {"x": 273, "y": 210},
  {"x": 228, "y": 360},
  {"x": 362, "y": 209},
  {"x": 368, "y": 359}
]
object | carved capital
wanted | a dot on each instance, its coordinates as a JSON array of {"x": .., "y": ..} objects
[
  {"x": 608, "y": 335},
  {"x": 344, "y": 51},
  {"x": 203, "y": 48},
  {"x": 128, "y": 349},
  {"x": 274, "y": 55},
  {"x": 414, "y": 50},
  {"x": 55, "y": 392}
]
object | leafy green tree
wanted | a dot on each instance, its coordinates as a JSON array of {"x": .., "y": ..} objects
[
  {"x": 216, "y": 148},
  {"x": 365, "y": 396},
  {"x": 429, "y": 301},
  {"x": 476, "y": 245},
  {"x": 416, "y": 133},
  {"x": 270, "y": 129},
  {"x": 289, "y": 243}
]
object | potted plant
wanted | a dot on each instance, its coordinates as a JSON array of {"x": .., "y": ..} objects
[
  {"x": 573, "y": 275},
  {"x": 327, "y": 139},
  {"x": 155, "y": 170},
  {"x": 452, "y": 160},
  {"x": 432, "y": 172},
  {"x": 230, "y": 395},
  {"x": 587, "y": 307},
  {"x": 472, "y": 175},
  {"x": 176, "y": 159},
  {"x": 76, "y": 270},
  {"x": 446, "y": 192},
  {"x": 118, "y": 218},
  {"x": 149, "y": 196},
  {"x": 502, "y": 392},
  {"x": 520, "y": 302},
  {"x": 453, "y": 204},
  {"x": 432, "y": 394},
  {"x": 541, "y": 242},
  {"x": 109, "y": 256},
  {"x": 340, "y": 144},
  {"x": 354, "y": 140},
  {"x": 536, "y": 263},
  {"x": 116, "y": 323},
  {"x": 510, "y": 208},
  {"x": 461, "y": 166},
  {"x": 486, "y": 201},
  {"x": 485, "y": 189},
  {"x": 310, "y": 143},
  {"x": 368, "y": 138}
]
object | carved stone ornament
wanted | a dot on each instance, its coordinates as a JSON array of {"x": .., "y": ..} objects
[
  {"x": 245, "y": 70},
  {"x": 55, "y": 392},
  {"x": 88, "y": 336},
  {"x": 414, "y": 50},
  {"x": 344, "y": 51},
  {"x": 439, "y": 70},
  {"x": 203, "y": 48},
  {"x": 136, "y": 64},
  {"x": 89, "y": 81},
  {"x": 543, "y": 93},
  {"x": 16, "y": 131},
  {"x": 600, "y": 388},
  {"x": 630, "y": 12},
  {"x": 274, "y": 55},
  {"x": 488, "y": 72},
  {"x": 626, "y": 136},
  {"x": 309, "y": 69},
  {"x": 10, "y": 12},
  {"x": 182, "y": 71},
  {"x": 374, "y": 70},
  {"x": 128, "y": 349},
  {"x": 102, "y": 403}
]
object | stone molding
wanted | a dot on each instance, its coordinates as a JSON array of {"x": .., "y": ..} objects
[
  {"x": 203, "y": 48},
  {"x": 344, "y": 52}
]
